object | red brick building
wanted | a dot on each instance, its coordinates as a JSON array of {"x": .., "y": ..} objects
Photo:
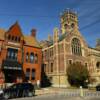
[{"x": 20, "y": 55}]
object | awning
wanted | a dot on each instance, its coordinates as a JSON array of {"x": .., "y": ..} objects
[{"x": 12, "y": 65}]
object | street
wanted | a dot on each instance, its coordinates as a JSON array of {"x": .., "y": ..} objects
[
  {"x": 63, "y": 94},
  {"x": 57, "y": 97}
]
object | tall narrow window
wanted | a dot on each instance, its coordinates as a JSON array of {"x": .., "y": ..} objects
[
  {"x": 36, "y": 58},
  {"x": 51, "y": 67},
  {"x": 76, "y": 47},
  {"x": 27, "y": 57},
  {"x": 9, "y": 37},
  {"x": 32, "y": 57},
  {"x": 33, "y": 74},
  {"x": 27, "y": 75},
  {"x": 98, "y": 65}
]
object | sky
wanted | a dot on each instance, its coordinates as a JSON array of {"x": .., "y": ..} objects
[{"x": 44, "y": 16}]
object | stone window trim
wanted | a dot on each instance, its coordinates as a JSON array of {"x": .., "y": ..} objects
[{"x": 76, "y": 47}]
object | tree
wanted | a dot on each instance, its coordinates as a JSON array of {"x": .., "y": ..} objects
[
  {"x": 45, "y": 81},
  {"x": 77, "y": 74}
]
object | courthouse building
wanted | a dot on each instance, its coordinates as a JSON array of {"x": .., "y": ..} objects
[
  {"x": 67, "y": 45},
  {"x": 20, "y": 56}
]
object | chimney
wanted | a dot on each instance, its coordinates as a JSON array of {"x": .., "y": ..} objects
[{"x": 33, "y": 32}]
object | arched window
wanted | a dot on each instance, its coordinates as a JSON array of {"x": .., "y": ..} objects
[
  {"x": 27, "y": 57},
  {"x": 36, "y": 58},
  {"x": 32, "y": 57},
  {"x": 98, "y": 65},
  {"x": 76, "y": 47}
]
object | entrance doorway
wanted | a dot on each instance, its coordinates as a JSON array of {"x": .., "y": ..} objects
[{"x": 12, "y": 75}]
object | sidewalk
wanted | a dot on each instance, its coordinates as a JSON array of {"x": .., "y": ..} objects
[
  {"x": 52, "y": 90},
  {"x": 44, "y": 91},
  {"x": 68, "y": 92}
]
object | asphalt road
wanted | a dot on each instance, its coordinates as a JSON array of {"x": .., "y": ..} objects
[{"x": 57, "y": 97}]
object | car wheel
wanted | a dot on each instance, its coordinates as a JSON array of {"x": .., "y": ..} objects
[
  {"x": 30, "y": 94},
  {"x": 7, "y": 95},
  {"x": 33, "y": 92}
]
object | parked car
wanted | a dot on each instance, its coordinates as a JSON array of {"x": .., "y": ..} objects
[
  {"x": 98, "y": 87},
  {"x": 18, "y": 90}
]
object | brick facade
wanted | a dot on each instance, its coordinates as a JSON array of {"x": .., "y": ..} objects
[{"x": 14, "y": 46}]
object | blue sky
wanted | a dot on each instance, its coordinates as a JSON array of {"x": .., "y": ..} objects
[{"x": 44, "y": 15}]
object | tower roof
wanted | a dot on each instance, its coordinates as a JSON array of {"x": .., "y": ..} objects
[{"x": 69, "y": 11}]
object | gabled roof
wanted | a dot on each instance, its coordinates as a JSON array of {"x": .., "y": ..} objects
[
  {"x": 15, "y": 28},
  {"x": 31, "y": 41},
  {"x": 2, "y": 33}
]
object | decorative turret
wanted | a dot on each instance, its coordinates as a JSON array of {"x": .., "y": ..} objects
[
  {"x": 56, "y": 35},
  {"x": 49, "y": 37},
  {"x": 98, "y": 44},
  {"x": 69, "y": 21}
]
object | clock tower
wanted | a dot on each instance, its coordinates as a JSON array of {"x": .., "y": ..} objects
[{"x": 69, "y": 21}]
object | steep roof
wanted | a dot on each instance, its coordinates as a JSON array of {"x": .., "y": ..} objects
[
  {"x": 2, "y": 33},
  {"x": 31, "y": 41},
  {"x": 15, "y": 28}
]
